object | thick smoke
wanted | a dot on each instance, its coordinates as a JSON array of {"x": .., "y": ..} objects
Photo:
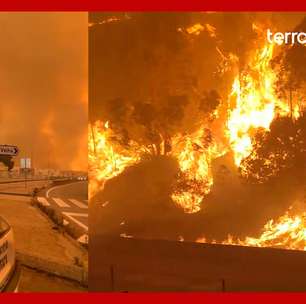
[{"x": 43, "y": 91}]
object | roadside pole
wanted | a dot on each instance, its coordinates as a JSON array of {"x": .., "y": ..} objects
[
  {"x": 25, "y": 178},
  {"x": 25, "y": 164}
]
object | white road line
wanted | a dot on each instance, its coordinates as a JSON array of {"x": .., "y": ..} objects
[
  {"x": 72, "y": 216},
  {"x": 51, "y": 189},
  {"x": 60, "y": 202},
  {"x": 60, "y": 186},
  {"x": 43, "y": 201},
  {"x": 78, "y": 203}
]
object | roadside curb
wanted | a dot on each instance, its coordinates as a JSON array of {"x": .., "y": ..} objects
[
  {"x": 74, "y": 232},
  {"x": 56, "y": 217},
  {"x": 16, "y": 194},
  {"x": 71, "y": 272}
]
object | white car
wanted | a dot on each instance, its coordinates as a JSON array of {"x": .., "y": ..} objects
[{"x": 9, "y": 268}]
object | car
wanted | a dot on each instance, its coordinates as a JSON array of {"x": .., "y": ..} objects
[{"x": 9, "y": 267}]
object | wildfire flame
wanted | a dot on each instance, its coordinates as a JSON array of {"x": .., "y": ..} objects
[
  {"x": 197, "y": 28},
  {"x": 194, "y": 155},
  {"x": 288, "y": 232},
  {"x": 106, "y": 159},
  {"x": 252, "y": 104},
  {"x": 256, "y": 104}
]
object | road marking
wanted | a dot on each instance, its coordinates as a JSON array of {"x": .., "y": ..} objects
[
  {"x": 72, "y": 215},
  {"x": 43, "y": 201},
  {"x": 51, "y": 189},
  {"x": 60, "y": 202},
  {"x": 59, "y": 186},
  {"x": 78, "y": 203}
]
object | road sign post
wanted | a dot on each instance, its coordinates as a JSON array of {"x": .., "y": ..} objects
[{"x": 25, "y": 164}]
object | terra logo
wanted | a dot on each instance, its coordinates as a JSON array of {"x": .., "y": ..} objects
[{"x": 286, "y": 38}]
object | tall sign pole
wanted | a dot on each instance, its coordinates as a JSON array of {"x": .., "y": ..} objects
[{"x": 25, "y": 164}]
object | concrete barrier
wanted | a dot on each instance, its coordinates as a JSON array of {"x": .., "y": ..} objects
[
  {"x": 71, "y": 272},
  {"x": 119, "y": 264}
]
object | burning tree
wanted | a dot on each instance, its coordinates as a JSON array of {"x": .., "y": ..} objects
[
  {"x": 280, "y": 150},
  {"x": 168, "y": 114}
]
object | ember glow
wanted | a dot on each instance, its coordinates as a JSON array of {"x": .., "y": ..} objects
[
  {"x": 107, "y": 20},
  {"x": 197, "y": 28}
]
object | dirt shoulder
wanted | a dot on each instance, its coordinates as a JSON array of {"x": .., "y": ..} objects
[{"x": 39, "y": 242}]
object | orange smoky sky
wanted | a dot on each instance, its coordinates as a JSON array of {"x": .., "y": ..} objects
[{"x": 43, "y": 87}]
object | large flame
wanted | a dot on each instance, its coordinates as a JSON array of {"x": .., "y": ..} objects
[
  {"x": 194, "y": 153},
  {"x": 287, "y": 232},
  {"x": 252, "y": 104},
  {"x": 106, "y": 159},
  {"x": 256, "y": 104}
]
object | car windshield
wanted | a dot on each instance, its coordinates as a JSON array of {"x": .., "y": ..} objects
[{"x": 4, "y": 227}]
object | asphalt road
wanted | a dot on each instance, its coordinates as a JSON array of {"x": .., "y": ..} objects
[
  {"x": 78, "y": 190},
  {"x": 69, "y": 199}
]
